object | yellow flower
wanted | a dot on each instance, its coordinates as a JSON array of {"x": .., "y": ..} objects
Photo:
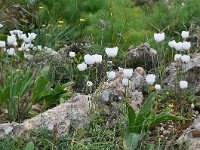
[
  {"x": 82, "y": 20},
  {"x": 171, "y": 105},
  {"x": 61, "y": 21}
]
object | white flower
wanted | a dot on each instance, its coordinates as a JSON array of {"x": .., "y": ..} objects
[
  {"x": 20, "y": 49},
  {"x": 22, "y": 36},
  {"x": 125, "y": 82},
  {"x": 16, "y": 32},
  {"x": 177, "y": 57},
  {"x": 192, "y": 106},
  {"x": 11, "y": 40},
  {"x": 89, "y": 83},
  {"x": 127, "y": 73},
  {"x": 186, "y": 45},
  {"x": 150, "y": 79},
  {"x": 82, "y": 66},
  {"x": 172, "y": 44},
  {"x": 1, "y": 25},
  {"x": 183, "y": 84},
  {"x": 185, "y": 34},
  {"x": 31, "y": 36},
  {"x": 11, "y": 51},
  {"x": 159, "y": 37},
  {"x": 185, "y": 58},
  {"x": 89, "y": 59},
  {"x": 2, "y": 44},
  {"x": 15, "y": 44},
  {"x": 72, "y": 54},
  {"x": 97, "y": 58},
  {"x": 112, "y": 52},
  {"x": 111, "y": 75},
  {"x": 157, "y": 87},
  {"x": 178, "y": 46},
  {"x": 25, "y": 38}
]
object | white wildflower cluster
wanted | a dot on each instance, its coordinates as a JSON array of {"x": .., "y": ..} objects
[
  {"x": 127, "y": 74},
  {"x": 88, "y": 60},
  {"x": 96, "y": 59},
  {"x": 18, "y": 41},
  {"x": 181, "y": 47}
]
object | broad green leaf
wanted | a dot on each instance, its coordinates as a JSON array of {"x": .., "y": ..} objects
[
  {"x": 165, "y": 115},
  {"x": 41, "y": 88},
  {"x": 145, "y": 112},
  {"x": 27, "y": 83},
  {"x": 131, "y": 140},
  {"x": 148, "y": 103},
  {"x": 131, "y": 117}
]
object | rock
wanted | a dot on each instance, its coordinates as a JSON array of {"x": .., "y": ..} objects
[
  {"x": 138, "y": 78},
  {"x": 191, "y": 72},
  {"x": 71, "y": 113},
  {"x": 142, "y": 55},
  {"x": 192, "y": 135},
  {"x": 194, "y": 39},
  {"x": 113, "y": 90}
]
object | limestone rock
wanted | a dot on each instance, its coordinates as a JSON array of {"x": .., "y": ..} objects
[
  {"x": 192, "y": 135},
  {"x": 138, "y": 78},
  {"x": 191, "y": 72},
  {"x": 113, "y": 90},
  {"x": 142, "y": 55},
  {"x": 71, "y": 113}
]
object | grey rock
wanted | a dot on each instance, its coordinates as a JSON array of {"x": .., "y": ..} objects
[
  {"x": 188, "y": 136},
  {"x": 138, "y": 78},
  {"x": 113, "y": 90},
  {"x": 71, "y": 113},
  {"x": 191, "y": 73},
  {"x": 143, "y": 56}
]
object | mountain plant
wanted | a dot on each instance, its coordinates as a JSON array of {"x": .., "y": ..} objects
[
  {"x": 139, "y": 123},
  {"x": 21, "y": 90}
]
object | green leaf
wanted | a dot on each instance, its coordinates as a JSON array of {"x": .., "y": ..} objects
[
  {"x": 26, "y": 83},
  {"x": 148, "y": 103},
  {"x": 131, "y": 140},
  {"x": 131, "y": 117},
  {"x": 4, "y": 94},
  {"x": 30, "y": 146},
  {"x": 144, "y": 113},
  {"x": 165, "y": 115},
  {"x": 42, "y": 87}
]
